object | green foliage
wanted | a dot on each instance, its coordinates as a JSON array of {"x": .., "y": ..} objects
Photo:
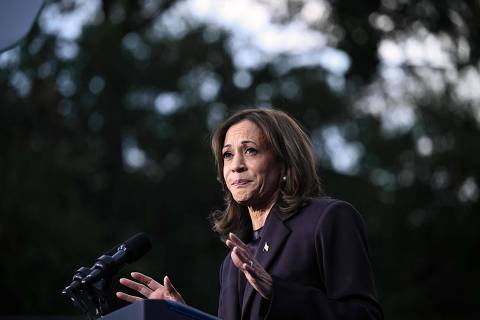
[{"x": 115, "y": 140}]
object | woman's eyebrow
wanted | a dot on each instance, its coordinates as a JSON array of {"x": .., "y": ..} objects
[{"x": 243, "y": 142}]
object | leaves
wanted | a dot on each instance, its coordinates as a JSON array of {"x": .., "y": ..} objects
[{"x": 107, "y": 134}]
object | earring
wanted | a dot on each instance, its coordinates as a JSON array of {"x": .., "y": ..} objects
[{"x": 284, "y": 178}]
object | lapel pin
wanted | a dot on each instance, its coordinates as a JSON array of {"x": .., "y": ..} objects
[{"x": 266, "y": 247}]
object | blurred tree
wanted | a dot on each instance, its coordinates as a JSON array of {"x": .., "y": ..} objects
[
  {"x": 414, "y": 110},
  {"x": 105, "y": 133}
]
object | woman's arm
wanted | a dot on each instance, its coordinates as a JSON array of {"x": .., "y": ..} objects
[{"x": 343, "y": 260}]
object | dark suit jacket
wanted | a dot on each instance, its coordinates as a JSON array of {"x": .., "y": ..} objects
[{"x": 319, "y": 261}]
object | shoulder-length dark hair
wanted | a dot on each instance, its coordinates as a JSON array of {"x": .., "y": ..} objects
[{"x": 292, "y": 147}]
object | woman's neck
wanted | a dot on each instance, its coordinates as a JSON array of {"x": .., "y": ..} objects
[{"x": 259, "y": 215}]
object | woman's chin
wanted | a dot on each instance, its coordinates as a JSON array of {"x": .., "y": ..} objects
[
  {"x": 243, "y": 199},
  {"x": 243, "y": 202}
]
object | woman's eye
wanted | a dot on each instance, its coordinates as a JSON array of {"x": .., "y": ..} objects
[
  {"x": 251, "y": 151},
  {"x": 227, "y": 155}
]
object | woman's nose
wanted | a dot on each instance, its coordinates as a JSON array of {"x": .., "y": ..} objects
[{"x": 238, "y": 164}]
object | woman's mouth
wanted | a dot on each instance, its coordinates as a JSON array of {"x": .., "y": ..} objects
[{"x": 240, "y": 182}]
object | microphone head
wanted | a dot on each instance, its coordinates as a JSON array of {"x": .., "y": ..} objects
[{"x": 136, "y": 246}]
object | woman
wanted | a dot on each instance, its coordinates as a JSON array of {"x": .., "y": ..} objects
[{"x": 293, "y": 254}]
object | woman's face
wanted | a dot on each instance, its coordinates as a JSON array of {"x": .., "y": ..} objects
[{"x": 250, "y": 169}]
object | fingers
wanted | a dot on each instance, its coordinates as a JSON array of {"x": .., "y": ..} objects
[
  {"x": 244, "y": 260},
  {"x": 255, "y": 274},
  {"x": 172, "y": 292},
  {"x": 251, "y": 271},
  {"x": 145, "y": 285},
  {"x": 168, "y": 284},
  {"x": 140, "y": 288},
  {"x": 260, "y": 280},
  {"x": 146, "y": 280},
  {"x": 236, "y": 260},
  {"x": 241, "y": 258},
  {"x": 149, "y": 288},
  {"x": 243, "y": 252},
  {"x": 236, "y": 241},
  {"x": 127, "y": 297},
  {"x": 230, "y": 244},
  {"x": 244, "y": 256}
]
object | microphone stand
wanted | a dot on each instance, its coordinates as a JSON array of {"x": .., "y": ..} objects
[{"x": 91, "y": 287}]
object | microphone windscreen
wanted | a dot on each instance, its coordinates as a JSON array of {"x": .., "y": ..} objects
[
  {"x": 137, "y": 246},
  {"x": 112, "y": 251}
]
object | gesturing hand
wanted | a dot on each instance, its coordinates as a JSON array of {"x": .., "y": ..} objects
[
  {"x": 149, "y": 288},
  {"x": 244, "y": 260}
]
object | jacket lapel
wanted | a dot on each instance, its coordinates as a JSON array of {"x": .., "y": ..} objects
[{"x": 273, "y": 237}]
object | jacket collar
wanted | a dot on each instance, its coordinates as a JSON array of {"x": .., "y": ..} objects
[{"x": 274, "y": 235}]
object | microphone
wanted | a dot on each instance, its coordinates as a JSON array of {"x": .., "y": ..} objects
[
  {"x": 82, "y": 272},
  {"x": 107, "y": 265}
]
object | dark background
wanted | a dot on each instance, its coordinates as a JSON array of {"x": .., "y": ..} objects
[{"x": 106, "y": 134}]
